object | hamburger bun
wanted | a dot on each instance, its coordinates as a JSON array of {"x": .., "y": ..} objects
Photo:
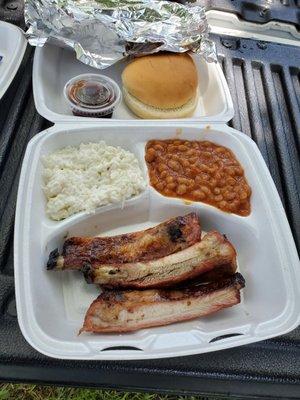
[{"x": 163, "y": 85}]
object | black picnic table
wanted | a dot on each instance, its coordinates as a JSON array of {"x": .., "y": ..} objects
[{"x": 264, "y": 80}]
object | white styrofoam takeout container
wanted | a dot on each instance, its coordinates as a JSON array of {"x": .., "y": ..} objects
[
  {"x": 54, "y": 66},
  {"x": 12, "y": 48},
  {"x": 51, "y": 305}
]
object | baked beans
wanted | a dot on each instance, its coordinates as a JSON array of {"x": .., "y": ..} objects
[{"x": 199, "y": 171}]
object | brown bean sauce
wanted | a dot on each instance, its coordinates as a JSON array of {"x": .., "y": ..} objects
[{"x": 199, "y": 171}]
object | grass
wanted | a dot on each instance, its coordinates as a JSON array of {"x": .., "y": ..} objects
[{"x": 35, "y": 392}]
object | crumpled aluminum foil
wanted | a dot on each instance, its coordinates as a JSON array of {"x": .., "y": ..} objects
[{"x": 104, "y": 31}]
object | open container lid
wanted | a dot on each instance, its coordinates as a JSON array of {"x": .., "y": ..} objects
[
  {"x": 54, "y": 66},
  {"x": 12, "y": 49}
]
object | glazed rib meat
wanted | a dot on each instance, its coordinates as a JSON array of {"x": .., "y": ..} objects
[
  {"x": 166, "y": 238},
  {"x": 125, "y": 311},
  {"x": 212, "y": 252}
]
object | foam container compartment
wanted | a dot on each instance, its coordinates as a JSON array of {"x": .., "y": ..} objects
[
  {"x": 51, "y": 305},
  {"x": 54, "y": 66},
  {"x": 12, "y": 48}
]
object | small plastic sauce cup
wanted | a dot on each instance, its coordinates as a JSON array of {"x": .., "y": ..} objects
[{"x": 92, "y": 95}]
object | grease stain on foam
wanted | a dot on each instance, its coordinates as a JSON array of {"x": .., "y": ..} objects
[{"x": 187, "y": 202}]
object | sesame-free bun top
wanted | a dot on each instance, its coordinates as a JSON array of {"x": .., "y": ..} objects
[{"x": 163, "y": 80}]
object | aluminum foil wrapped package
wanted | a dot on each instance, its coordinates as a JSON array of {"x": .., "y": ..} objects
[{"x": 104, "y": 31}]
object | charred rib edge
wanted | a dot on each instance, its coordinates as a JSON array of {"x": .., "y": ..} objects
[{"x": 53, "y": 259}]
